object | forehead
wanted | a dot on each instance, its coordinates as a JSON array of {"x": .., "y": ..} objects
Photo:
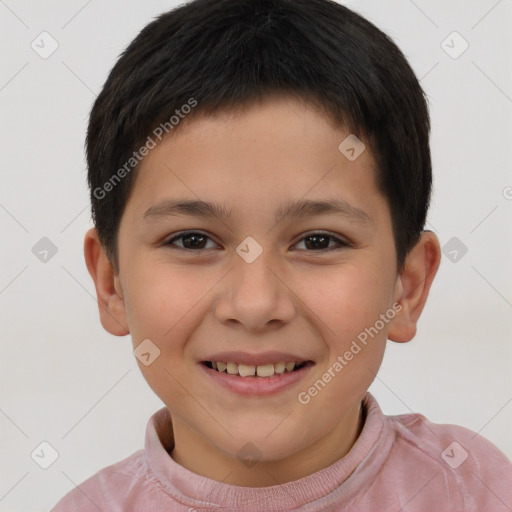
[{"x": 270, "y": 153}]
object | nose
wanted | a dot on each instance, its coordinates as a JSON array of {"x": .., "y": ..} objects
[{"x": 256, "y": 296}]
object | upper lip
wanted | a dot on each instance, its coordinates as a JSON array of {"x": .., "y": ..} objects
[{"x": 255, "y": 359}]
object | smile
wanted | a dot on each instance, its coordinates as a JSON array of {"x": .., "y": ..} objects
[
  {"x": 256, "y": 380},
  {"x": 247, "y": 370}
]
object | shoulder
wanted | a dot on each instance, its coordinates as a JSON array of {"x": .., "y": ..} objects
[
  {"x": 462, "y": 461},
  {"x": 108, "y": 489}
]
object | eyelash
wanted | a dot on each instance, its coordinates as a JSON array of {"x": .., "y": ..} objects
[{"x": 341, "y": 243}]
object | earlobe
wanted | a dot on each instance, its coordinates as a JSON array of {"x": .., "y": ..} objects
[
  {"x": 108, "y": 289},
  {"x": 413, "y": 286}
]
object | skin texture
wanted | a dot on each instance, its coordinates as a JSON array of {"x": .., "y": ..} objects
[{"x": 293, "y": 298}]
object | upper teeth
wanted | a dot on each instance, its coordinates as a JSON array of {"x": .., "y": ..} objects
[{"x": 246, "y": 370}]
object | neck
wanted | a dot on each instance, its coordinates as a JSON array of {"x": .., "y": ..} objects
[{"x": 192, "y": 451}]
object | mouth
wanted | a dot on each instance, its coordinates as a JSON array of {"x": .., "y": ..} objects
[
  {"x": 263, "y": 371},
  {"x": 256, "y": 380}
]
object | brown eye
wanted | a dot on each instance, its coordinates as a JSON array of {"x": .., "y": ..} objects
[
  {"x": 191, "y": 240},
  {"x": 320, "y": 242}
]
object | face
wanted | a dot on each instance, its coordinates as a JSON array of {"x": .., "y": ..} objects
[{"x": 247, "y": 284}]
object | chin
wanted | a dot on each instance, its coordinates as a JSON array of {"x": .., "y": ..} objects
[{"x": 264, "y": 447}]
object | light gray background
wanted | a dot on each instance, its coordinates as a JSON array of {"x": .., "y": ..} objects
[{"x": 66, "y": 381}]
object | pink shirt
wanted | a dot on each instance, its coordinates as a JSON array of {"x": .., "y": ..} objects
[{"x": 399, "y": 463}]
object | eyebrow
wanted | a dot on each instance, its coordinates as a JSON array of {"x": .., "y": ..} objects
[{"x": 295, "y": 209}]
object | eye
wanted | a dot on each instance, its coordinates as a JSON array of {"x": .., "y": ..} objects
[
  {"x": 316, "y": 242},
  {"x": 191, "y": 240},
  {"x": 320, "y": 242}
]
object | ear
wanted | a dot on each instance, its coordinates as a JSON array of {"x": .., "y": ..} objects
[
  {"x": 108, "y": 288},
  {"x": 413, "y": 285}
]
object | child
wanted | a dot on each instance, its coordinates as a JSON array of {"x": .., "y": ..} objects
[{"x": 260, "y": 176}]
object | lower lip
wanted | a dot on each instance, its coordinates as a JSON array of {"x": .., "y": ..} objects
[{"x": 257, "y": 386}]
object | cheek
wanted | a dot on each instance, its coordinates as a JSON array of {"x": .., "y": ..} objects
[
  {"x": 355, "y": 337},
  {"x": 349, "y": 300},
  {"x": 163, "y": 306}
]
